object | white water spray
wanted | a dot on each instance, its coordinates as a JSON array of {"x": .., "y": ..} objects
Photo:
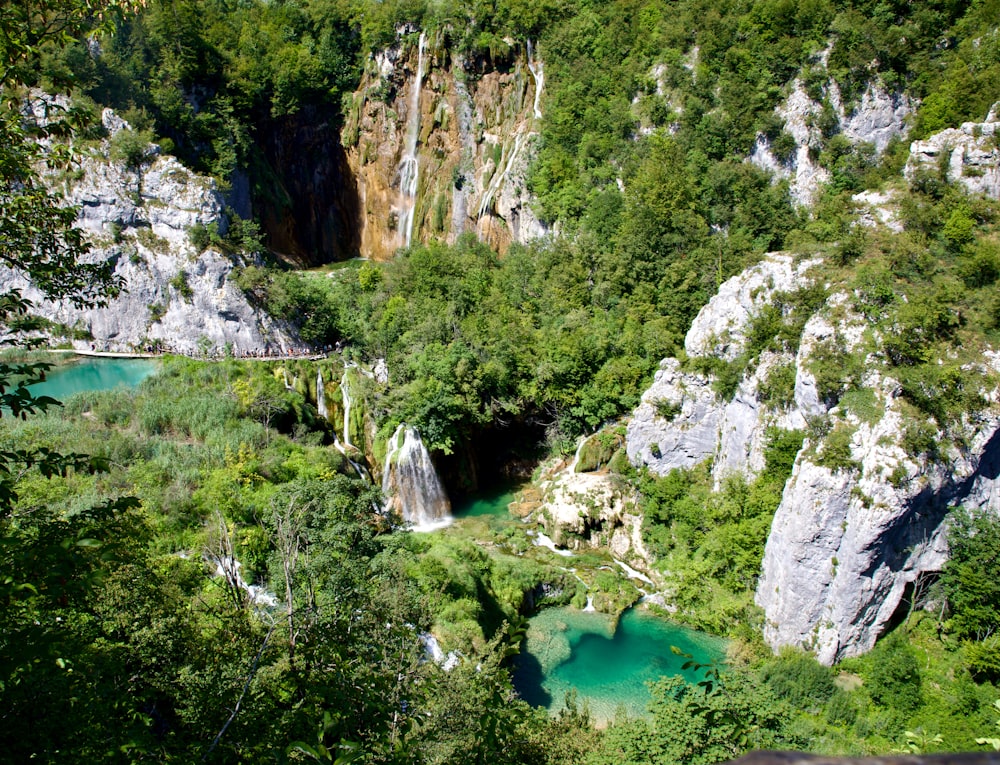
[
  {"x": 412, "y": 484},
  {"x": 500, "y": 174},
  {"x": 409, "y": 165},
  {"x": 535, "y": 67},
  {"x": 321, "y": 396}
]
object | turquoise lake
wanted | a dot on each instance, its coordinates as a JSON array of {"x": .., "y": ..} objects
[
  {"x": 90, "y": 374},
  {"x": 568, "y": 649},
  {"x": 492, "y": 504}
]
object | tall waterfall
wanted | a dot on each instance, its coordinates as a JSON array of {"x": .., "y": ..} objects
[
  {"x": 408, "y": 166},
  {"x": 321, "y": 396},
  {"x": 535, "y": 67},
  {"x": 411, "y": 483}
]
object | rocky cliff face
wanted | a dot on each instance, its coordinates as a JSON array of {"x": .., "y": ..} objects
[
  {"x": 308, "y": 204},
  {"x": 862, "y": 516},
  {"x": 460, "y": 133},
  {"x": 175, "y": 294},
  {"x": 878, "y": 117},
  {"x": 968, "y": 155},
  {"x": 681, "y": 421}
]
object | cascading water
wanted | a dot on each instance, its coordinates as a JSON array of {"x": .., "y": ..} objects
[
  {"x": 409, "y": 165},
  {"x": 500, "y": 174},
  {"x": 321, "y": 396},
  {"x": 412, "y": 484},
  {"x": 346, "y": 392},
  {"x": 535, "y": 67},
  {"x": 466, "y": 139}
]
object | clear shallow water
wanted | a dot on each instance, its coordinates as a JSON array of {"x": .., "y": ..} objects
[
  {"x": 493, "y": 504},
  {"x": 90, "y": 374},
  {"x": 568, "y": 649}
]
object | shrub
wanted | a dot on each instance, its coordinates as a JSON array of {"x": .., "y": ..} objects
[
  {"x": 799, "y": 679},
  {"x": 180, "y": 283},
  {"x": 835, "y": 451},
  {"x": 778, "y": 390},
  {"x": 131, "y": 148},
  {"x": 666, "y": 409},
  {"x": 894, "y": 678}
]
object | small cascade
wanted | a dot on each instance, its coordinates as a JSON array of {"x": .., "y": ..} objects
[
  {"x": 576, "y": 455},
  {"x": 507, "y": 161},
  {"x": 321, "y": 396},
  {"x": 229, "y": 568},
  {"x": 345, "y": 391},
  {"x": 589, "y": 608},
  {"x": 409, "y": 165},
  {"x": 412, "y": 484},
  {"x": 631, "y": 573},
  {"x": 535, "y": 67}
]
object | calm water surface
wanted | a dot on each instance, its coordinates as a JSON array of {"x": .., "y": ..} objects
[
  {"x": 492, "y": 503},
  {"x": 89, "y": 374},
  {"x": 568, "y": 649}
]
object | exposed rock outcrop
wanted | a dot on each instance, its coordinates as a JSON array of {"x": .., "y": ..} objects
[
  {"x": 593, "y": 510},
  {"x": 175, "y": 294},
  {"x": 308, "y": 205},
  {"x": 475, "y": 131},
  {"x": 968, "y": 155},
  {"x": 863, "y": 515},
  {"x": 877, "y": 118},
  {"x": 681, "y": 421}
]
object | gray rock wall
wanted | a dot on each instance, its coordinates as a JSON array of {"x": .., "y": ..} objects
[
  {"x": 851, "y": 535},
  {"x": 174, "y": 293}
]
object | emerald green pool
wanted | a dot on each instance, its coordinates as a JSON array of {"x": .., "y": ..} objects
[
  {"x": 568, "y": 649},
  {"x": 492, "y": 503},
  {"x": 89, "y": 374}
]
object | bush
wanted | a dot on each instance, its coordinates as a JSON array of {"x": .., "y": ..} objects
[
  {"x": 799, "y": 679},
  {"x": 180, "y": 283},
  {"x": 131, "y": 148},
  {"x": 894, "y": 679},
  {"x": 835, "y": 451}
]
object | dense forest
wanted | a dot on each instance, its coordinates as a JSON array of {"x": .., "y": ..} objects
[{"x": 130, "y": 632}]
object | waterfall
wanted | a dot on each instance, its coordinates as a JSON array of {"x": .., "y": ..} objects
[
  {"x": 500, "y": 174},
  {"x": 535, "y": 67},
  {"x": 408, "y": 166},
  {"x": 321, "y": 396},
  {"x": 466, "y": 139},
  {"x": 346, "y": 393},
  {"x": 576, "y": 455},
  {"x": 411, "y": 483}
]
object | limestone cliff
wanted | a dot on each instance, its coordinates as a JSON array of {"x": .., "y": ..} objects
[
  {"x": 175, "y": 294},
  {"x": 811, "y": 117},
  {"x": 863, "y": 515},
  {"x": 967, "y": 155},
  {"x": 439, "y": 144}
]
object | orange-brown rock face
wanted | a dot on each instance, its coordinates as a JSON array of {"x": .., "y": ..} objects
[{"x": 471, "y": 130}]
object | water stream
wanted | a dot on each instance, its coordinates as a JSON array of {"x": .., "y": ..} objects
[
  {"x": 321, "y": 395},
  {"x": 409, "y": 165},
  {"x": 535, "y": 67}
]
